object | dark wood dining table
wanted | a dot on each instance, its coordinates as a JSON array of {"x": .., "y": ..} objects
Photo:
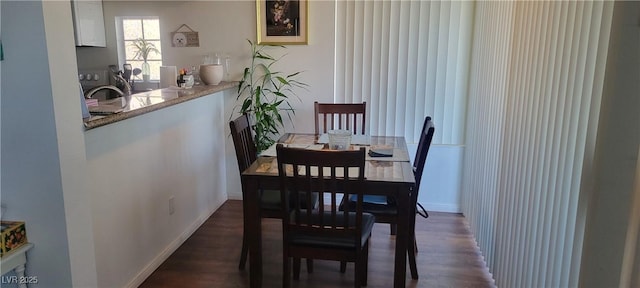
[{"x": 383, "y": 177}]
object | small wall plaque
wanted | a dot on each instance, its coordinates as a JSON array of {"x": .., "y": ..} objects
[{"x": 182, "y": 38}]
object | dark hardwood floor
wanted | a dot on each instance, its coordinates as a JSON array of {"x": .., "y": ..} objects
[{"x": 447, "y": 257}]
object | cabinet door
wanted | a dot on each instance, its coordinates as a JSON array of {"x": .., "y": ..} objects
[{"x": 88, "y": 23}]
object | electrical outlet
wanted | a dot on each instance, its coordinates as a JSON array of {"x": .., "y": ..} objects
[{"x": 171, "y": 205}]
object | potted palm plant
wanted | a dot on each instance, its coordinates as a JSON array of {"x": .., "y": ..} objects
[
  {"x": 265, "y": 94},
  {"x": 143, "y": 48}
]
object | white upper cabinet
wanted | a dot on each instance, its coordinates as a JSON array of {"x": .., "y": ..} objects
[{"x": 88, "y": 23}]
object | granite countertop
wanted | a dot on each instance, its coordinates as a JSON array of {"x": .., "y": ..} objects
[{"x": 145, "y": 102}]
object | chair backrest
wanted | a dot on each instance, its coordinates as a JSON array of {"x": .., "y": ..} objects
[
  {"x": 328, "y": 173},
  {"x": 426, "y": 136},
  {"x": 246, "y": 152},
  {"x": 330, "y": 116}
]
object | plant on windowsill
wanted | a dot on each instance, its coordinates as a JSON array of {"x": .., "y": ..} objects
[
  {"x": 143, "y": 49},
  {"x": 265, "y": 95}
]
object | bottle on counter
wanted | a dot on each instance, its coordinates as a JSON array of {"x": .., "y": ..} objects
[
  {"x": 226, "y": 62},
  {"x": 196, "y": 75}
]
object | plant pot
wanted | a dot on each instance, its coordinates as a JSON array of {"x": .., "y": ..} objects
[{"x": 211, "y": 74}]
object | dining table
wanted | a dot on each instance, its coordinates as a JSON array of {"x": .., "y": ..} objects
[{"x": 389, "y": 176}]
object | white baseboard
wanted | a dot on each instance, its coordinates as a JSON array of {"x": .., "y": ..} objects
[
  {"x": 436, "y": 207},
  {"x": 172, "y": 247},
  {"x": 235, "y": 196}
]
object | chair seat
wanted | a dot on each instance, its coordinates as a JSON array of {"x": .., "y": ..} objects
[
  {"x": 270, "y": 200},
  {"x": 375, "y": 204},
  {"x": 334, "y": 242}
]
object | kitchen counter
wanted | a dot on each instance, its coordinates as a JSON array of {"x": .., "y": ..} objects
[{"x": 145, "y": 102}]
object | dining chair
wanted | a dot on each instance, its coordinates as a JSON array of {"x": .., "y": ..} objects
[
  {"x": 329, "y": 116},
  {"x": 385, "y": 209},
  {"x": 324, "y": 233},
  {"x": 270, "y": 202}
]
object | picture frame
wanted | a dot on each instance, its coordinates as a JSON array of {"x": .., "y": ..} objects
[
  {"x": 185, "y": 37},
  {"x": 282, "y": 22}
]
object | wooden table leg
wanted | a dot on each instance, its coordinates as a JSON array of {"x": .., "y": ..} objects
[
  {"x": 402, "y": 238},
  {"x": 411, "y": 245},
  {"x": 253, "y": 224}
]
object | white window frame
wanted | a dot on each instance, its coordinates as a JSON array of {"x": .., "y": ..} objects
[{"x": 122, "y": 49}]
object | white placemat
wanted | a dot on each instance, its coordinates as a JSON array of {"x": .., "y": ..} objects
[{"x": 356, "y": 139}]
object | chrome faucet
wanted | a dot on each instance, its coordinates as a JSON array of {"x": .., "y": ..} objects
[{"x": 126, "y": 92}]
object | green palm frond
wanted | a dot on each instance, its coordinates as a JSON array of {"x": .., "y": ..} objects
[{"x": 264, "y": 94}]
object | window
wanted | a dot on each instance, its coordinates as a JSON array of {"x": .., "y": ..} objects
[{"x": 130, "y": 29}]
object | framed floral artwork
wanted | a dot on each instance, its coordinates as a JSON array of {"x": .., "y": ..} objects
[{"x": 282, "y": 22}]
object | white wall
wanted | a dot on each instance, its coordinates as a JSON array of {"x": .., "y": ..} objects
[
  {"x": 315, "y": 59},
  {"x": 225, "y": 26},
  {"x": 440, "y": 186},
  {"x": 135, "y": 166},
  {"x": 32, "y": 185},
  {"x": 70, "y": 137},
  {"x": 220, "y": 30},
  {"x": 216, "y": 21},
  {"x": 68, "y": 184}
]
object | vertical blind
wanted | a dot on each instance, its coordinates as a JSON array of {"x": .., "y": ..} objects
[
  {"x": 407, "y": 60},
  {"x": 536, "y": 76}
]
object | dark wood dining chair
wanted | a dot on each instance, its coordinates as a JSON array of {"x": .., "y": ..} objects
[
  {"x": 246, "y": 154},
  {"x": 325, "y": 233},
  {"x": 329, "y": 116},
  {"x": 385, "y": 209}
]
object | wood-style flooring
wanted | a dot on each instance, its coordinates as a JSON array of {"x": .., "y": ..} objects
[{"x": 447, "y": 257}]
